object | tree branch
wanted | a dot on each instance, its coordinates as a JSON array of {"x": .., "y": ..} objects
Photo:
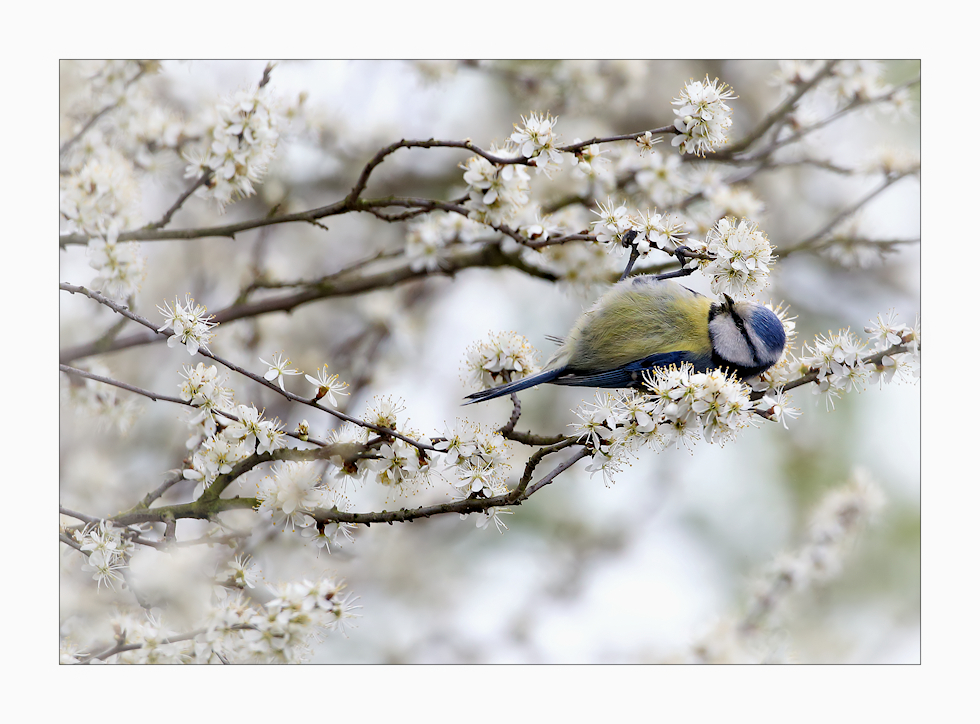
[
  {"x": 120, "y": 309},
  {"x": 777, "y": 115},
  {"x": 340, "y": 284}
]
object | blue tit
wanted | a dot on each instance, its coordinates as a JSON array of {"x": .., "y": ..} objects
[{"x": 646, "y": 322}]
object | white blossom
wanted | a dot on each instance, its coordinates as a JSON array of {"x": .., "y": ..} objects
[
  {"x": 535, "y": 139},
  {"x": 203, "y": 387},
  {"x": 837, "y": 363},
  {"x": 496, "y": 193},
  {"x": 478, "y": 459},
  {"x": 742, "y": 255},
  {"x": 506, "y": 356},
  {"x": 190, "y": 323},
  {"x": 278, "y": 369},
  {"x": 327, "y": 386},
  {"x": 290, "y": 493},
  {"x": 241, "y": 142},
  {"x": 703, "y": 117}
]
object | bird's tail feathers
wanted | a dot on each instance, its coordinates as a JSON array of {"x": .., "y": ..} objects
[{"x": 516, "y": 386}]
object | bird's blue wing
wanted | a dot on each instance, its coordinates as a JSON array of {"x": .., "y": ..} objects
[{"x": 631, "y": 375}]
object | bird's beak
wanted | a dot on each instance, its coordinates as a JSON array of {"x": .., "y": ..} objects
[{"x": 729, "y": 302}]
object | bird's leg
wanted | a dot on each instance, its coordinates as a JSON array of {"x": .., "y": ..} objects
[
  {"x": 682, "y": 272},
  {"x": 634, "y": 253}
]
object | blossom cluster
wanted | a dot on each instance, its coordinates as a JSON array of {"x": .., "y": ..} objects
[
  {"x": 138, "y": 129},
  {"x": 109, "y": 83},
  {"x": 219, "y": 453},
  {"x": 121, "y": 267},
  {"x": 836, "y": 358},
  {"x": 190, "y": 323},
  {"x": 204, "y": 387},
  {"x": 677, "y": 406},
  {"x": 478, "y": 459},
  {"x": 106, "y": 551},
  {"x": 349, "y": 469},
  {"x": 151, "y": 135},
  {"x": 496, "y": 193},
  {"x": 661, "y": 178},
  {"x": 535, "y": 139},
  {"x": 703, "y": 117},
  {"x": 741, "y": 255},
  {"x": 401, "y": 463},
  {"x": 236, "y": 629},
  {"x": 283, "y": 631},
  {"x": 505, "y": 357},
  {"x": 242, "y": 141},
  {"x": 429, "y": 234},
  {"x": 290, "y": 495},
  {"x": 398, "y": 463},
  {"x": 617, "y": 229},
  {"x": 101, "y": 198},
  {"x": 499, "y": 193},
  {"x": 837, "y": 362}
]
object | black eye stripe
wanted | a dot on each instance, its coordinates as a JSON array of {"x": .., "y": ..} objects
[{"x": 740, "y": 325}]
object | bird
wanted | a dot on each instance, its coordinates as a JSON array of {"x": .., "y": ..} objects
[{"x": 646, "y": 322}]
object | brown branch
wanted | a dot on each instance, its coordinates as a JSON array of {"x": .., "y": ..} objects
[
  {"x": 579, "y": 454},
  {"x": 777, "y": 114},
  {"x": 78, "y": 516},
  {"x": 205, "y": 178},
  {"x": 155, "y": 396},
  {"x": 818, "y": 235},
  {"x": 812, "y": 376},
  {"x": 353, "y": 201},
  {"x": 850, "y": 107},
  {"x": 468, "y": 145},
  {"x": 528, "y": 438},
  {"x": 120, "y": 309},
  {"x": 469, "y": 505},
  {"x": 514, "y": 416},
  {"x": 341, "y": 284},
  {"x": 153, "y": 495}
]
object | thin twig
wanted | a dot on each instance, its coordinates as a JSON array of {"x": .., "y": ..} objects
[
  {"x": 156, "y": 397},
  {"x": 337, "y": 285},
  {"x": 777, "y": 114},
  {"x": 846, "y": 212},
  {"x": 514, "y": 416},
  {"x": 96, "y": 296},
  {"x": 78, "y": 516},
  {"x": 205, "y": 177},
  {"x": 353, "y": 201},
  {"x": 579, "y": 454}
]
